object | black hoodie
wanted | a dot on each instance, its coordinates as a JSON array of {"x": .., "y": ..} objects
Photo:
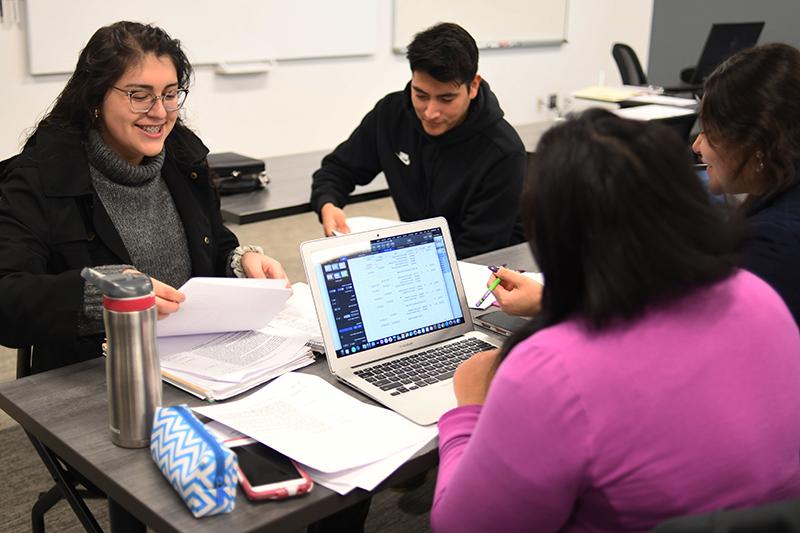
[{"x": 471, "y": 175}]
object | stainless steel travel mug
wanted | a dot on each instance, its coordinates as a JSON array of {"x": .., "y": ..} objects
[{"x": 133, "y": 371}]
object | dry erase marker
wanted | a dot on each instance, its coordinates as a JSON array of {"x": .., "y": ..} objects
[{"x": 486, "y": 294}]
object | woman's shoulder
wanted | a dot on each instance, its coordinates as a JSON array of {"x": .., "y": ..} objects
[
  {"x": 545, "y": 350},
  {"x": 776, "y": 212},
  {"x": 47, "y": 143},
  {"x": 734, "y": 301}
]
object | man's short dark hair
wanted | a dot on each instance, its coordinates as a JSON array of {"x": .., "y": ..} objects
[{"x": 445, "y": 51}]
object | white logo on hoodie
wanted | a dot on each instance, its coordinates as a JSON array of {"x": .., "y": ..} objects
[{"x": 403, "y": 157}]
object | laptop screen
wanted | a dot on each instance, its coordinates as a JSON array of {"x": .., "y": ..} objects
[
  {"x": 723, "y": 41},
  {"x": 387, "y": 290}
]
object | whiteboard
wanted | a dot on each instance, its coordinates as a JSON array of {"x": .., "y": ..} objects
[
  {"x": 492, "y": 23},
  {"x": 211, "y": 32}
]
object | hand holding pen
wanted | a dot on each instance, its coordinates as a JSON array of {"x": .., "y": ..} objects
[
  {"x": 516, "y": 293},
  {"x": 486, "y": 294},
  {"x": 491, "y": 284}
]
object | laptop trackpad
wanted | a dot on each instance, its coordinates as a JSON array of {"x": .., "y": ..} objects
[{"x": 427, "y": 408}]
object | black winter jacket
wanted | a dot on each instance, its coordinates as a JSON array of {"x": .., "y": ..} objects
[
  {"x": 773, "y": 250},
  {"x": 52, "y": 224},
  {"x": 471, "y": 175}
]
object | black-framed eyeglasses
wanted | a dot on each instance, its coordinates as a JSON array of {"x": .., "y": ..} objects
[{"x": 143, "y": 101}]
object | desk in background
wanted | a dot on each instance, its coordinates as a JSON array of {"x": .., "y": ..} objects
[
  {"x": 66, "y": 411},
  {"x": 289, "y": 190}
]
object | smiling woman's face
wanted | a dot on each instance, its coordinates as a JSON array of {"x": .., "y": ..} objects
[
  {"x": 136, "y": 135},
  {"x": 721, "y": 165}
]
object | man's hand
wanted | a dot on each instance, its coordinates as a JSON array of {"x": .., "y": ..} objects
[{"x": 333, "y": 219}]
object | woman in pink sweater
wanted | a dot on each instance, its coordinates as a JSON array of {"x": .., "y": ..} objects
[{"x": 660, "y": 380}]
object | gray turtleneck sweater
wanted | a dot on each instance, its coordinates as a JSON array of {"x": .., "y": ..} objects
[{"x": 140, "y": 206}]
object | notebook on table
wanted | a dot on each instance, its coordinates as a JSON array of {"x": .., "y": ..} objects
[{"x": 394, "y": 318}]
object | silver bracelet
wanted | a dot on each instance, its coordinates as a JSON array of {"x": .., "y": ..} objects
[{"x": 236, "y": 258}]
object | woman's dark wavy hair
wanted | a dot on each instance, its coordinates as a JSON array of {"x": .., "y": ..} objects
[
  {"x": 105, "y": 58},
  {"x": 751, "y": 105},
  {"x": 618, "y": 220}
]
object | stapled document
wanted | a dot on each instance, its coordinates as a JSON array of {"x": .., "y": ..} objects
[{"x": 220, "y": 344}]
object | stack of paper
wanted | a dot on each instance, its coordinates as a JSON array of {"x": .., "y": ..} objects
[
  {"x": 475, "y": 278},
  {"x": 663, "y": 99},
  {"x": 219, "y": 343},
  {"x": 299, "y": 314},
  {"x": 343, "y": 442},
  {"x": 604, "y": 93},
  {"x": 218, "y": 366}
]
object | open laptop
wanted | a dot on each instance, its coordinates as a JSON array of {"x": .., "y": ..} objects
[
  {"x": 394, "y": 318},
  {"x": 723, "y": 41}
]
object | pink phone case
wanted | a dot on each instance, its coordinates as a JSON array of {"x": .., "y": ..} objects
[{"x": 277, "y": 493}]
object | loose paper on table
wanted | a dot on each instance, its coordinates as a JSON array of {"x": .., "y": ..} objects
[
  {"x": 314, "y": 423},
  {"x": 652, "y": 112}
]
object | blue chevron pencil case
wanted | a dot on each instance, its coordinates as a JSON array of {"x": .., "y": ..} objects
[{"x": 199, "y": 467}]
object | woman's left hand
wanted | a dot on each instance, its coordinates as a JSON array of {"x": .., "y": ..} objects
[
  {"x": 473, "y": 376},
  {"x": 256, "y": 265}
]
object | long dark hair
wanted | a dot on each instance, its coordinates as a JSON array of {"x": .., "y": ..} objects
[
  {"x": 751, "y": 107},
  {"x": 105, "y": 58},
  {"x": 617, "y": 220}
]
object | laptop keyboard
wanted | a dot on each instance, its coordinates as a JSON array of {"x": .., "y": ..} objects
[{"x": 423, "y": 368}]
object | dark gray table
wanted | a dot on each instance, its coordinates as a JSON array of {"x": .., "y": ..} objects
[
  {"x": 289, "y": 190},
  {"x": 66, "y": 411}
]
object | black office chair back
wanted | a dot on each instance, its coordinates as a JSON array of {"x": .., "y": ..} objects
[
  {"x": 779, "y": 517},
  {"x": 630, "y": 70}
]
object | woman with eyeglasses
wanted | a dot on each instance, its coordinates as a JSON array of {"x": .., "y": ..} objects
[
  {"x": 751, "y": 142},
  {"x": 110, "y": 178},
  {"x": 657, "y": 380}
]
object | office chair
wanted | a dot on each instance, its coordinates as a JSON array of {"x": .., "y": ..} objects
[
  {"x": 65, "y": 479},
  {"x": 630, "y": 70},
  {"x": 780, "y": 517}
]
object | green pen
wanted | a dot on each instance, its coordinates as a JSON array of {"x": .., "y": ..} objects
[{"x": 486, "y": 294}]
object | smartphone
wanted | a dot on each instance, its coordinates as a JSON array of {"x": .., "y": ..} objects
[
  {"x": 266, "y": 474},
  {"x": 500, "y": 322}
]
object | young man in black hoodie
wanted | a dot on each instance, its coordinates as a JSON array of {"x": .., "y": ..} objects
[{"x": 443, "y": 146}]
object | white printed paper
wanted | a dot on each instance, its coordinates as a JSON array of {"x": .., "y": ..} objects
[{"x": 215, "y": 305}]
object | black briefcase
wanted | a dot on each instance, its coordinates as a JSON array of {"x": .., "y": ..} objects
[{"x": 235, "y": 173}]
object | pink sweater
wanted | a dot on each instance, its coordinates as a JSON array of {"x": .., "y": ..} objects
[{"x": 693, "y": 407}]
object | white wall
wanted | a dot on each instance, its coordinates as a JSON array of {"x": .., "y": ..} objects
[{"x": 314, "y": 104}]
